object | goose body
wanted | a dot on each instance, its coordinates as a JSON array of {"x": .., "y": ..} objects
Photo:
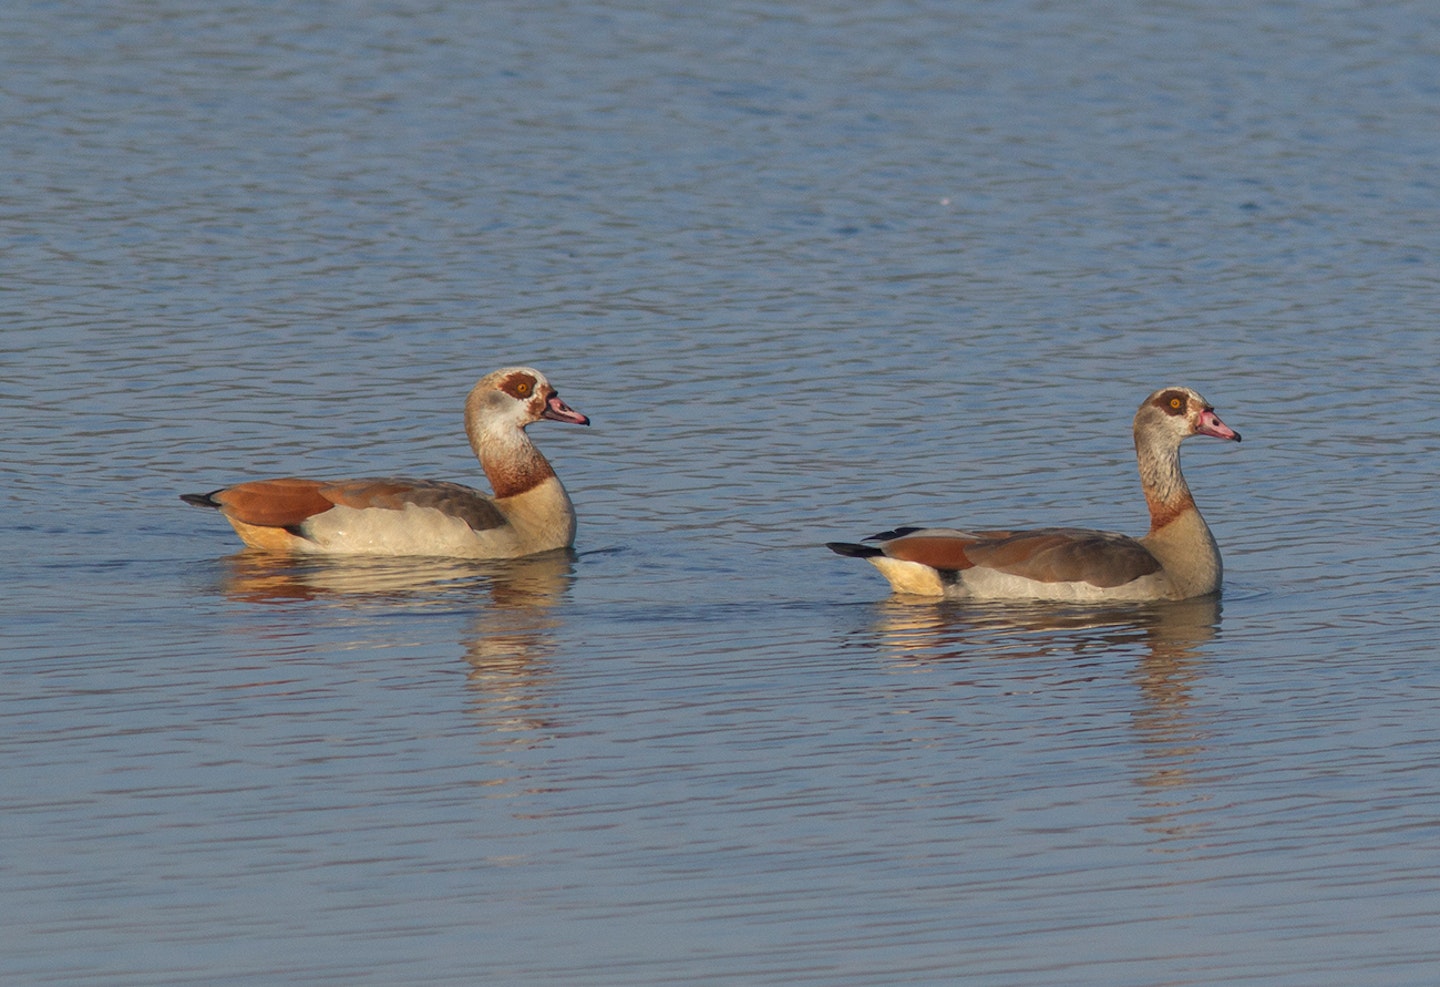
[
  {"x": 529, "y": 511},
  {"x": 1177, "y": 559}
]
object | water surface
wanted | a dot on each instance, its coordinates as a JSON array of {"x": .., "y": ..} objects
[{"x": 814, "y": 271}]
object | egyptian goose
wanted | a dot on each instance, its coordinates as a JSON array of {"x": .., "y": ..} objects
[
  {"x": 1176, "y": 560},
  {"x": 529, "y": 513}
]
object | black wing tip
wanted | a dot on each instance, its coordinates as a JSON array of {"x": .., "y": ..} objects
[
  {"x": 202, "y": 500},
  {"x": 894, "y": 533},
  {"x": 853, "y": 550}
]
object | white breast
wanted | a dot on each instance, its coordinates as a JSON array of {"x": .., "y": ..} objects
[
  {"x": 412, "y": 531},
  {"x": 989, "y": 584}
]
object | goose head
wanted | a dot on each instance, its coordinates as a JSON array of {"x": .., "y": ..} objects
[
  {"x": 516, "y": 397},
  {"x": 1173, "y": 414}
]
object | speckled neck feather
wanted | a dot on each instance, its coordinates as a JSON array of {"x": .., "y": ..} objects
[
  {"x": 511, "y": 462},
  {"x": 1166, "y": 492}
]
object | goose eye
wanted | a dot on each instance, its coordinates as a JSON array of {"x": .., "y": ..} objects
[
  {"x": 1175, "y": 403},
  {"x": 522, "y": 388}
]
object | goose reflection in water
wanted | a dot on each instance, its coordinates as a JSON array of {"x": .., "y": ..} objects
[
  {"x": 1166, "y": 641},
  {"x": 511, "y": 636}
]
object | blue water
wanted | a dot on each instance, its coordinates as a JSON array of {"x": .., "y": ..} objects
[{"x": 813, "y": 270}]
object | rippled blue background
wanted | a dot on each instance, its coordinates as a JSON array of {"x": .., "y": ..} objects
[{"x": 814, "y": 270}]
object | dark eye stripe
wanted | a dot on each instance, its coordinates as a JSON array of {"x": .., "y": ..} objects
[
  {"x": 1173, "y": 403},
  {"x": 518, "y": 385}
]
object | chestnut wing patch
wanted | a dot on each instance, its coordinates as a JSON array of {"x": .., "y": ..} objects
[
  {"x": 283, "y": 503},
  {"x": 944, "y": 552}
]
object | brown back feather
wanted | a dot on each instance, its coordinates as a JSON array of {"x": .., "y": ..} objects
[
  {"x": 289, "y": 502},
  {"x": 454, "y": 499},
  {"x": 1047, "y": 555}
]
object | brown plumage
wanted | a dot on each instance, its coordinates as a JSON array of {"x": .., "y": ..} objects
[
  {"x": 1176, "y": 559},
  {"x": 1048, "y": 555},
  {"x": 289, "y": 502},
  {"x": 530, "y": 511}
]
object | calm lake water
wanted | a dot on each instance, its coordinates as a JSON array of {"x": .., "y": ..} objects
[{"x": 814, "y": 270}]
